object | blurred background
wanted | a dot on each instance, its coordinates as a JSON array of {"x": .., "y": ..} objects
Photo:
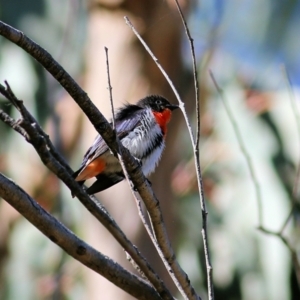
[{"x": 248, "y": 45}]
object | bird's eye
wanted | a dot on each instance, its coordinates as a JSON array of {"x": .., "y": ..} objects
[{"x": 159, "y": 102}]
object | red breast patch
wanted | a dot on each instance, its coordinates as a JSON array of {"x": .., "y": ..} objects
[{"x": 163, "y": 118}]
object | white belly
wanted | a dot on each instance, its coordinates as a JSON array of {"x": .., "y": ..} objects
[
  {"x": 146, "y": 143},
  {"x": 150, "y": 162}
]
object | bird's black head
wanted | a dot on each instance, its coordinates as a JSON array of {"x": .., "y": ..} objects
[{"x": 156, "y": 103}]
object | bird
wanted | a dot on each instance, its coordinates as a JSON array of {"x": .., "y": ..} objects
[{"x": 142, "y": 129}]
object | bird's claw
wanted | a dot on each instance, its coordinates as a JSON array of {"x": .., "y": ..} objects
[
  {"x": 133, "y": 186},
  {"x": 139, "y": 161}
]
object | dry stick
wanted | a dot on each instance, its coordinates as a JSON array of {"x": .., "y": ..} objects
[
  {"x": 209, "y": 269},
  {"x": 75, "y": 247},
  {"x": 198, "y": 170},
  {"x": 297, "y": 119},
  {"x": 243, "y": 149},
  {"x": 147, "y": 227},
  {"x": 156, "y": 244},
  {"x": 138, "y": 201},
  {"x": 106, "y": 131},
  {"x": 43, "y": 148},
  {"x": 110, "y": 93},
  {"x": 154, "y": 279},
  {"x": 103, "y": 128},
  {"x": 67, "y": 82},
  {"x": 18, "y": 104},
  {"x": 161, "y": 289},
  {"x": 12, "y": 123},
  {"x": 195, "y": 73}
]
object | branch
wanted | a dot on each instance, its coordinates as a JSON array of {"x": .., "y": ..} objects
[
  {"x": 66, "y": 81},
  {"x": 152, "y": 276},
  {"x": 45, "y": 150},
  {"x": 74, "y": 246},
  {"x": 209, "y": 270},
  {"x": 196, "y": 84},
  {"x": 105, "y": 130},
  {"x": 12, "y": 123},
  {"x": 178, "y": 272}
]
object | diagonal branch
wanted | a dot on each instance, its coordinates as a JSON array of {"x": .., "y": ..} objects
[
  {"x": 67, "y": 240},
  {"x": 184, "y": 281},
  {"x": 106, "y": 131},
  {"x": 209, "y": 269},
  {"x": 45, "y": 148},
  {"x": 66, "y": 81},
  {"x": 156, "y": 281},
  {"x": 12, "y": 123},
  {"x": 196, "y": 83}
]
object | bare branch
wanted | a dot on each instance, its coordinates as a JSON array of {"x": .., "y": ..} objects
[
  {"x": 74, "y": 246},
  {"x": 12, "y": 123},
  {"x": 110, "y": 90},
  {"x": 148, "y": 273},
  {"x": 45, "y": 148},
  {"x": 178, "y": 272},
  {"x": 209, "y": 269},
  {"x": 103, "y": 128},
  {"x": 195, "y": 73}
]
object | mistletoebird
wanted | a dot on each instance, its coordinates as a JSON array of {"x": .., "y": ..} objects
[{"x": 141, "y": 128}]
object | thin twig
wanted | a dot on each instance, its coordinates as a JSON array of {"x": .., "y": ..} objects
[
  {"x": 66, "y": 81},
  {"x": 209, "y": 268},
  {"x": 110, "y": 91},
  {"x": 107, "y": 133},
  {"x": 195, "y": 73},
  {"x": 243, "y": 149},
  {"x": 148, "y": 273},
  {"x": 13, "y": 124},
  {"x": 26, "y": 115},
  {"x": 188, "y": 289}
]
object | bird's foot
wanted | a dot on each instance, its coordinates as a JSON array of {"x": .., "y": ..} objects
[
  {"x": 148, "y": 181},
  {"x": 133, "y": 186},
  {"x": 139, "y": 161}
]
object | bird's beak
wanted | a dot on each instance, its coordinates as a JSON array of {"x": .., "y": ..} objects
[{"x": 172, "y": 106}]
